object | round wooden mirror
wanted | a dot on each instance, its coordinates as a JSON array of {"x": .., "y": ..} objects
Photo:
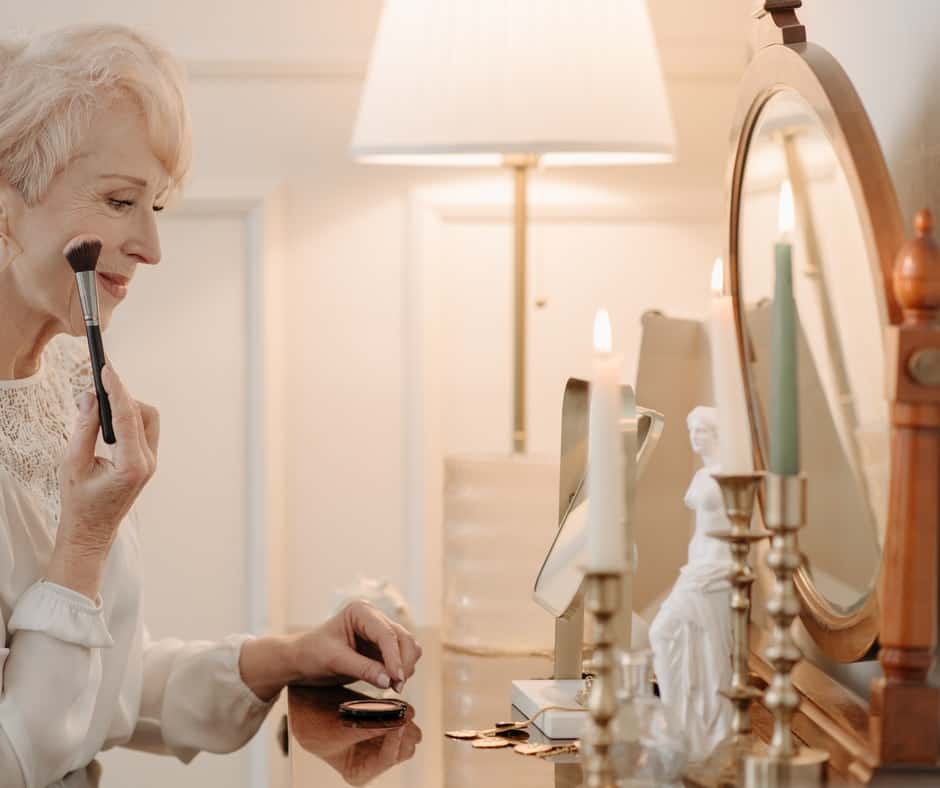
[{"x": 799, "y": 120}]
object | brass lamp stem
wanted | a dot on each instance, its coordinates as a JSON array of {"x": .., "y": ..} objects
[
  {"x": 520, "y": 167},
  {"x": 520, "y": 174}
]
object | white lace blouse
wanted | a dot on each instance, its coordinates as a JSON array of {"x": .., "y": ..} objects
[{"x": 78, "y": 676}]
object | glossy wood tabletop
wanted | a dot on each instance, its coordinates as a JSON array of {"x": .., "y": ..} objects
[{"x": 449, "y": 691}]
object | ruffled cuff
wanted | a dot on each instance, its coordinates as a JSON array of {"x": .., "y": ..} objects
[
  {"x": 233, "y": 675},
  {"x": 61, "y": 613}
]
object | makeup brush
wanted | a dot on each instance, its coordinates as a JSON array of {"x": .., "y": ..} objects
[{"x": 82, "y": 253}]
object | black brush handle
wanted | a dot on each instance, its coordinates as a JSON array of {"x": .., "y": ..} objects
[{"x": 96, "y": 349}]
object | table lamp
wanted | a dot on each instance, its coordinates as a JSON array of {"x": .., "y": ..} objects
[{"x": 515, "y": 84}]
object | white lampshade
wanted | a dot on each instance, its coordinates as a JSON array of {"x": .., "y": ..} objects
[{"x": 471, "y": 81}]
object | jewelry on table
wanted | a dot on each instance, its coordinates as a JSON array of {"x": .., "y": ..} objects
[{"x": 503, "y": 734}]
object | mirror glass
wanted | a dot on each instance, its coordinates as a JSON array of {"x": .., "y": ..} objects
[{"x": 843, "y": 410}]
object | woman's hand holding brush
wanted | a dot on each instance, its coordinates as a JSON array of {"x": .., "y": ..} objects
[{"x": 97, "y": 493}]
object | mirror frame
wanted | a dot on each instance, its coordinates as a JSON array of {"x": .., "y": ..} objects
[{"x": 812, "y": 73}]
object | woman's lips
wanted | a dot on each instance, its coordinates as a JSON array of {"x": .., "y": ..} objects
[{"x": 113, "y": 284}]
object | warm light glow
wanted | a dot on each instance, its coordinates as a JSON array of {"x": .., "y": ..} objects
[
  {"x": 718, "y": 277},
  {"x": 603, "y": 339},
  {"x": 495, "y": 159},
  {"x": 601, "y": 158},
  {"x": 435, "y": 159},
  {"x": 787, "y": 219}
]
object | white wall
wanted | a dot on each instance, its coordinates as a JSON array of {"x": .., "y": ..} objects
[
  {"x": 890, "y": 52},
  {"x": 351, "y": 232}
]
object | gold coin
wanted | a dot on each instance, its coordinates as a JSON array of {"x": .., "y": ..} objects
[
  {"x": 462, "y": 734},
  {"x": 491, "y": 743},
  {"x": 532, "y": 749}
]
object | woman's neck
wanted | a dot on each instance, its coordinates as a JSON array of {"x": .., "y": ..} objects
[{"x": 24, "y": 332}]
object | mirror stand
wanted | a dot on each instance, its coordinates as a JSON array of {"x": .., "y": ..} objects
[
  {"x": 640, "y": 429},
  {"x": 569, "y": 629}
]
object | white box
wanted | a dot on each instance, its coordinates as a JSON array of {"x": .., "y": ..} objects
[{"x": 531, "y": 695}]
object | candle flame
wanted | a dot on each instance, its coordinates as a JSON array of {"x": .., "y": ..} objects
[
  {"x": 787, "y": 219},
  {"x": 718, "y": 277},
  {"x": 603, "y": 340}
]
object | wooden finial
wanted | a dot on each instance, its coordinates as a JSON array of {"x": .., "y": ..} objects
[
  {"x": 777, "y": 22},
  {"x": 917, "y": 273},
  {"x": 764, "y": 6},
  {"x": 923, "y": 222}
]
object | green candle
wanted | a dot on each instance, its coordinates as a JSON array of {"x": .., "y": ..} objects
[{"x": 784, "y": 411}]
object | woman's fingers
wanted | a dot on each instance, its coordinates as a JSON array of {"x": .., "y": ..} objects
[
  {"x": 374, "y": 627},
  {"x": 390, "y": 754},
  {"x": 128, "y": 457},
  {"x": 350, "y": 663},
  {"x": 150, "y": 422},
  {"x": 409, "y": 648},
  {"x": 81, "y": 449}
]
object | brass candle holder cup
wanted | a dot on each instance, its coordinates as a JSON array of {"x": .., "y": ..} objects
[
  {"x": 724, "y": 767},
  {"x": 785, "y": 763},
  {"x": 602, "y": 594}
]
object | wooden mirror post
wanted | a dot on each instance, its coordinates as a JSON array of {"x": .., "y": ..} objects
[{"x": 905, "y": 710}]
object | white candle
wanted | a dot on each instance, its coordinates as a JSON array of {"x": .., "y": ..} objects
[
  {"x": 734, "y": 434},
  {"x": 606, "y": 544}
]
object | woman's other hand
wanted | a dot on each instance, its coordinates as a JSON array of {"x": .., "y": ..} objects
[
  {"x": 96, "y": 493},
  {"x": 358, "y": 644}
]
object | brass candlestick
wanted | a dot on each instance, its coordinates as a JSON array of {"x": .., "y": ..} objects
[
  {"x": 784, "y": 763},
  {"x": 738, "y": 492},
  {"x": 602, "y": 599},
  {"x": 724, "y": 766}
]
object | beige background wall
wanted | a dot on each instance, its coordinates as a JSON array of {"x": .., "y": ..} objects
[
  {"x": 889, "y": 50},
  {"x": 273, "y": 92}
]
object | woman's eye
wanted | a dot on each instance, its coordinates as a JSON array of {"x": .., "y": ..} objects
[{"x": 121, "y": 204}]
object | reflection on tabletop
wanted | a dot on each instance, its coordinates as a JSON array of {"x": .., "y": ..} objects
[{"x": 359, "y": 750}]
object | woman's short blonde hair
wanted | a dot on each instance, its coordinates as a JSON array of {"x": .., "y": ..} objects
[{"x": 51, "y": 84}]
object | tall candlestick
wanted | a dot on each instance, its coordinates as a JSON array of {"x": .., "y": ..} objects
[
  {"x": 734, "y": 436},
  {"x": 606, "y": 544},
  {"x": 784, "y": 415}
]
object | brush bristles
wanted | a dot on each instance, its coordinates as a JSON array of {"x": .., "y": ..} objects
[{"x": 82, "y": 253}]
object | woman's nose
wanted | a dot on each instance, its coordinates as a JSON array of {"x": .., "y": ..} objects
[{"x": 145, "y": 242}]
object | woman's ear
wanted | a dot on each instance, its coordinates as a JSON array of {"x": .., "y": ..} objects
[
  {"x": 4, "y": 209},
  {"x": 8, "y": 194},
  {"x": 11, "y": 203}
]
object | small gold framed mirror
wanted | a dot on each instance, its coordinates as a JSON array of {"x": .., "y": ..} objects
[{"x": 800, "y": 120}]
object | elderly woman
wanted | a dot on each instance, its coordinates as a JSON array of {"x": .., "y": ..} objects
[{"x": 94, "y": 136}]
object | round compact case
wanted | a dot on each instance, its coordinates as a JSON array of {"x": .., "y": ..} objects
[{"x": 377, "y": 709}]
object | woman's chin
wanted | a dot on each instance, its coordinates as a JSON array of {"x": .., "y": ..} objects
[{"x": 104, "y": 318}]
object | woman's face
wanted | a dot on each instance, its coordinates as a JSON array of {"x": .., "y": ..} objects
[{"x": 111, "y": 189}]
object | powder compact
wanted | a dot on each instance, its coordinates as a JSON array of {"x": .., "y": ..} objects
[{"x": 368, "y": 709}]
